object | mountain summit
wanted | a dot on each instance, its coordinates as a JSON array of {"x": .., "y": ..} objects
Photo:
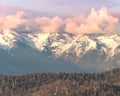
[{"x": 57, "y": 52}]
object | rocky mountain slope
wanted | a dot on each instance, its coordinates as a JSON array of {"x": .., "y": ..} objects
[{"x": 56, "y": 52}]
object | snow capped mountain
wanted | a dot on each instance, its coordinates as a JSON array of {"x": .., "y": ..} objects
[
  {"x": 111, "y": 43},
  {"x": 60, "y": 43},
  {"x": 7, "y": 38},
  {"x": 64, "y": 43},
  {"x": 52, "y": 51},
  {"x": 54, "y": 41}
]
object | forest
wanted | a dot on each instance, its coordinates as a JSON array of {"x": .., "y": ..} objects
[{"x": 61, "y": 84}]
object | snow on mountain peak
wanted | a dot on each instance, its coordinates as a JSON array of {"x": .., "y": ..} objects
[
  {"x": 62, "y": 43},
  {"x": 7, "y": 38},
  {"x": 39, "y": 39},
  {"x": 111, "y": 42},
  {"x": 54, "y": 41},
  {"x": 80, "y": 45}
]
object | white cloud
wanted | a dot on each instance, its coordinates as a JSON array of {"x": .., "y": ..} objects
[
  {"x": 95, "y": 22},
  {"x": 12, "y": 21}
]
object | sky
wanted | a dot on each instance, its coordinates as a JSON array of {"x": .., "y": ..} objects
[
  {"x": 73, "y": 16},
  {"x": 63, "y": 7}
]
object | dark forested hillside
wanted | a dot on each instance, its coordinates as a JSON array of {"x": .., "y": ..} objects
[{"x": 62, "y": 84}]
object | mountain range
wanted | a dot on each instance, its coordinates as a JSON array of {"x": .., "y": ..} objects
[{"x": 24, "y": 52}]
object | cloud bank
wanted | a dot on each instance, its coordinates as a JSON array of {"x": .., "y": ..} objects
[
  {"x": 12, "y": 21},
  {"x": 96, "y": 22},
  {"x": 49, "y": 24}
]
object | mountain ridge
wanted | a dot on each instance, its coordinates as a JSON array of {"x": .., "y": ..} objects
[
  {"x": 37, "y": 40},
  {"x": 50, "y": 51}
]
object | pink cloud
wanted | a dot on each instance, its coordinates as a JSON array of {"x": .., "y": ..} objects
[
  {"x": 49, "y": 24},
  {"x": 116, "y": 14},
  {"x": 12, "y": 21},
  {"x": 95, "y": 22}
]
